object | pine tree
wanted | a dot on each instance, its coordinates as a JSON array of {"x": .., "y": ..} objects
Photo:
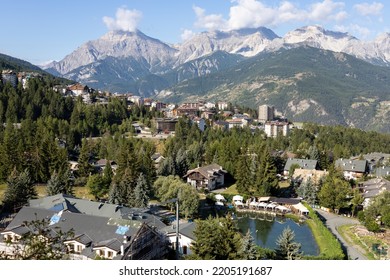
[
  {"x": 287, "y": 248},
  {"x": 108, "y": 174},
  {"x": 243, "y": 180},
  {"x": 85, "y": 168},
  {"x": 267, "y": 181},
  {"x": 181, "y": 164},
  {"x": 249, "y": 249},
  {"x": 97, "y": 186},
  {"x": 141, "y": 192},
  {"x": 19, "y": 191},
  {"x": 216, "y": 239},
  {"x": 60, "y": 183},
  {"x": 308, "y": 191}
]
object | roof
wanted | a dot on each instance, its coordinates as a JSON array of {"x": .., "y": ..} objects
[
  {"x": 374, "y": 187},
  {"x": 99, "y": 209},
  {"x": 303, "y": 163},
  {"x": 284, "y": 200},
  {"x": 209, "y": 171},
  {"x": 186, "y": 229},
  {"x": 301, "y": 208},
  {"x": 382, "y": 171},
  {"x": 352, "y": 165},
  {"x": 87, "y": 228}
]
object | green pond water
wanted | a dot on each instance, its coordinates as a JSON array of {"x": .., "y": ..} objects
[{"x": 266, "y": 229}]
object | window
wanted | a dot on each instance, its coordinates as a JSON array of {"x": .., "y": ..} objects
[
  {"x": 79, "y": 248},
  {"x": 110, "y": 254},
  {"x": 184, "y": 250}
]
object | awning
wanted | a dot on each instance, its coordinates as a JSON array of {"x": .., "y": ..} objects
[
  {"x": 219, "y": 197},
  {"x": 238, "y": 198}
]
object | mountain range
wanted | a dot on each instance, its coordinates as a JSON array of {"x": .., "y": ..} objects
[{"x": 308, "y": 74}]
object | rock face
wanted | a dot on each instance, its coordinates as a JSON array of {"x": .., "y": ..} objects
[{"x": 148, "y": 56}]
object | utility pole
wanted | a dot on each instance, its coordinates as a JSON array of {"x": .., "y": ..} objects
[
  {"x": 177, "y": 228},
  {"x": 176, "y": 200}
]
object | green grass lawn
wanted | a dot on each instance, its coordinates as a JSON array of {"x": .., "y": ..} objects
[
  {"x": 231, "y": 190},
  {"x": 79, "y": 192},
  {"x": 3, "y": 187}
]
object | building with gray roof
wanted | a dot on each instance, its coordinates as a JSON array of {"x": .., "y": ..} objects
[
  {"x": 372, "y": 188},
  {"x": 309, "y": 164},
  {"x": 352, "y": 169},
  {"x": 100, "y": 230}
]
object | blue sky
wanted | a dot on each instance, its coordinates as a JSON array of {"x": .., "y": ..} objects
[{"x": 43, "y": 30}]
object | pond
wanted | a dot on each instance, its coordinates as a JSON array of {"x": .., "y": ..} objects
[{"x": 266, "y": 229}]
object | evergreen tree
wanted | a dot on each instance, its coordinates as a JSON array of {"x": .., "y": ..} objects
[
  {"x": 167, "y": 167},
  {"x": 108, "y": 174},
  {"x": 334, "y": 192},
  {"x": 59, "y": 183},
  {"x": 243, "y": 180},
  {"x": 308, "y": 191},
  {"x": 249, "y": 249},
  {"x": 267, "y": 182},
  {"x": 97, "y": 186},
  {"x": 216, "y": 239},
  {"x": 141, "y": 192},
  {"x": 85, "y": 168},
  {"x": 356, "y": 200},
  {"x": 181, "y": 164},
  {"x": 287, "y": 248},
  {"x": 20, "y": 189}
]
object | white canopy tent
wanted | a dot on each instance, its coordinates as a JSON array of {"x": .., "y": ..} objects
[
  {"x": 301, "y": 209},
  {"x": 219, "y": 197},
  {"x": 237, "y": 198}
]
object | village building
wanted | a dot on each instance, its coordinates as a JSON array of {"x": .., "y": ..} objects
[
  {"x": 166, "y": 125},
  {"x": 101, "y": 230},
  {"x": 276, "y": 128},
  {"x": 210, "y": 177},
  {"x": 186, "y": 237},
  {"x": 372, "y": 188},
  {"x": 308, "y": 164},
  {"x": 352, "y": 169}
]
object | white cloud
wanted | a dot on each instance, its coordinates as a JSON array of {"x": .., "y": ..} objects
[
  {"x": 187, "y": 34},
  {"x": 254, "y": 13},
  {"x": 209, "y": 22},
  {"x": 367, "y": 9},
  {"x": 125, "y": 20},
  {"x": 363, "y": 32},
  {"x": 327, "y": 11}
]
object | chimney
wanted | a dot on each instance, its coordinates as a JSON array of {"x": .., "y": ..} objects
[
  {"x": 124, "y": 239},
  {"x": 122, "y": 250}
]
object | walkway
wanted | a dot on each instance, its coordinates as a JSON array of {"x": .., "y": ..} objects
[{"x": 332, "y": 222}]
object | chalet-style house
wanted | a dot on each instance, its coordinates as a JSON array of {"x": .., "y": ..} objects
[
  {"x": 352, "y": 169},
  {"x": 372, "y": 188},
  {"x": 101, "y": 230},
  {"x": 210, "y": 177},
  {"x": 308, "y": 164}
]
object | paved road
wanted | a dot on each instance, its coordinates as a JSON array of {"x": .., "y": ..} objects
[{"x": 333, "y": 221}]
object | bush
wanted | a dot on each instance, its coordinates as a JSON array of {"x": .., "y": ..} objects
[
  {"x": 386, "y": 220},
  {"x": 372, "y": 225},
  {"x": 361, "y": 217}
]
